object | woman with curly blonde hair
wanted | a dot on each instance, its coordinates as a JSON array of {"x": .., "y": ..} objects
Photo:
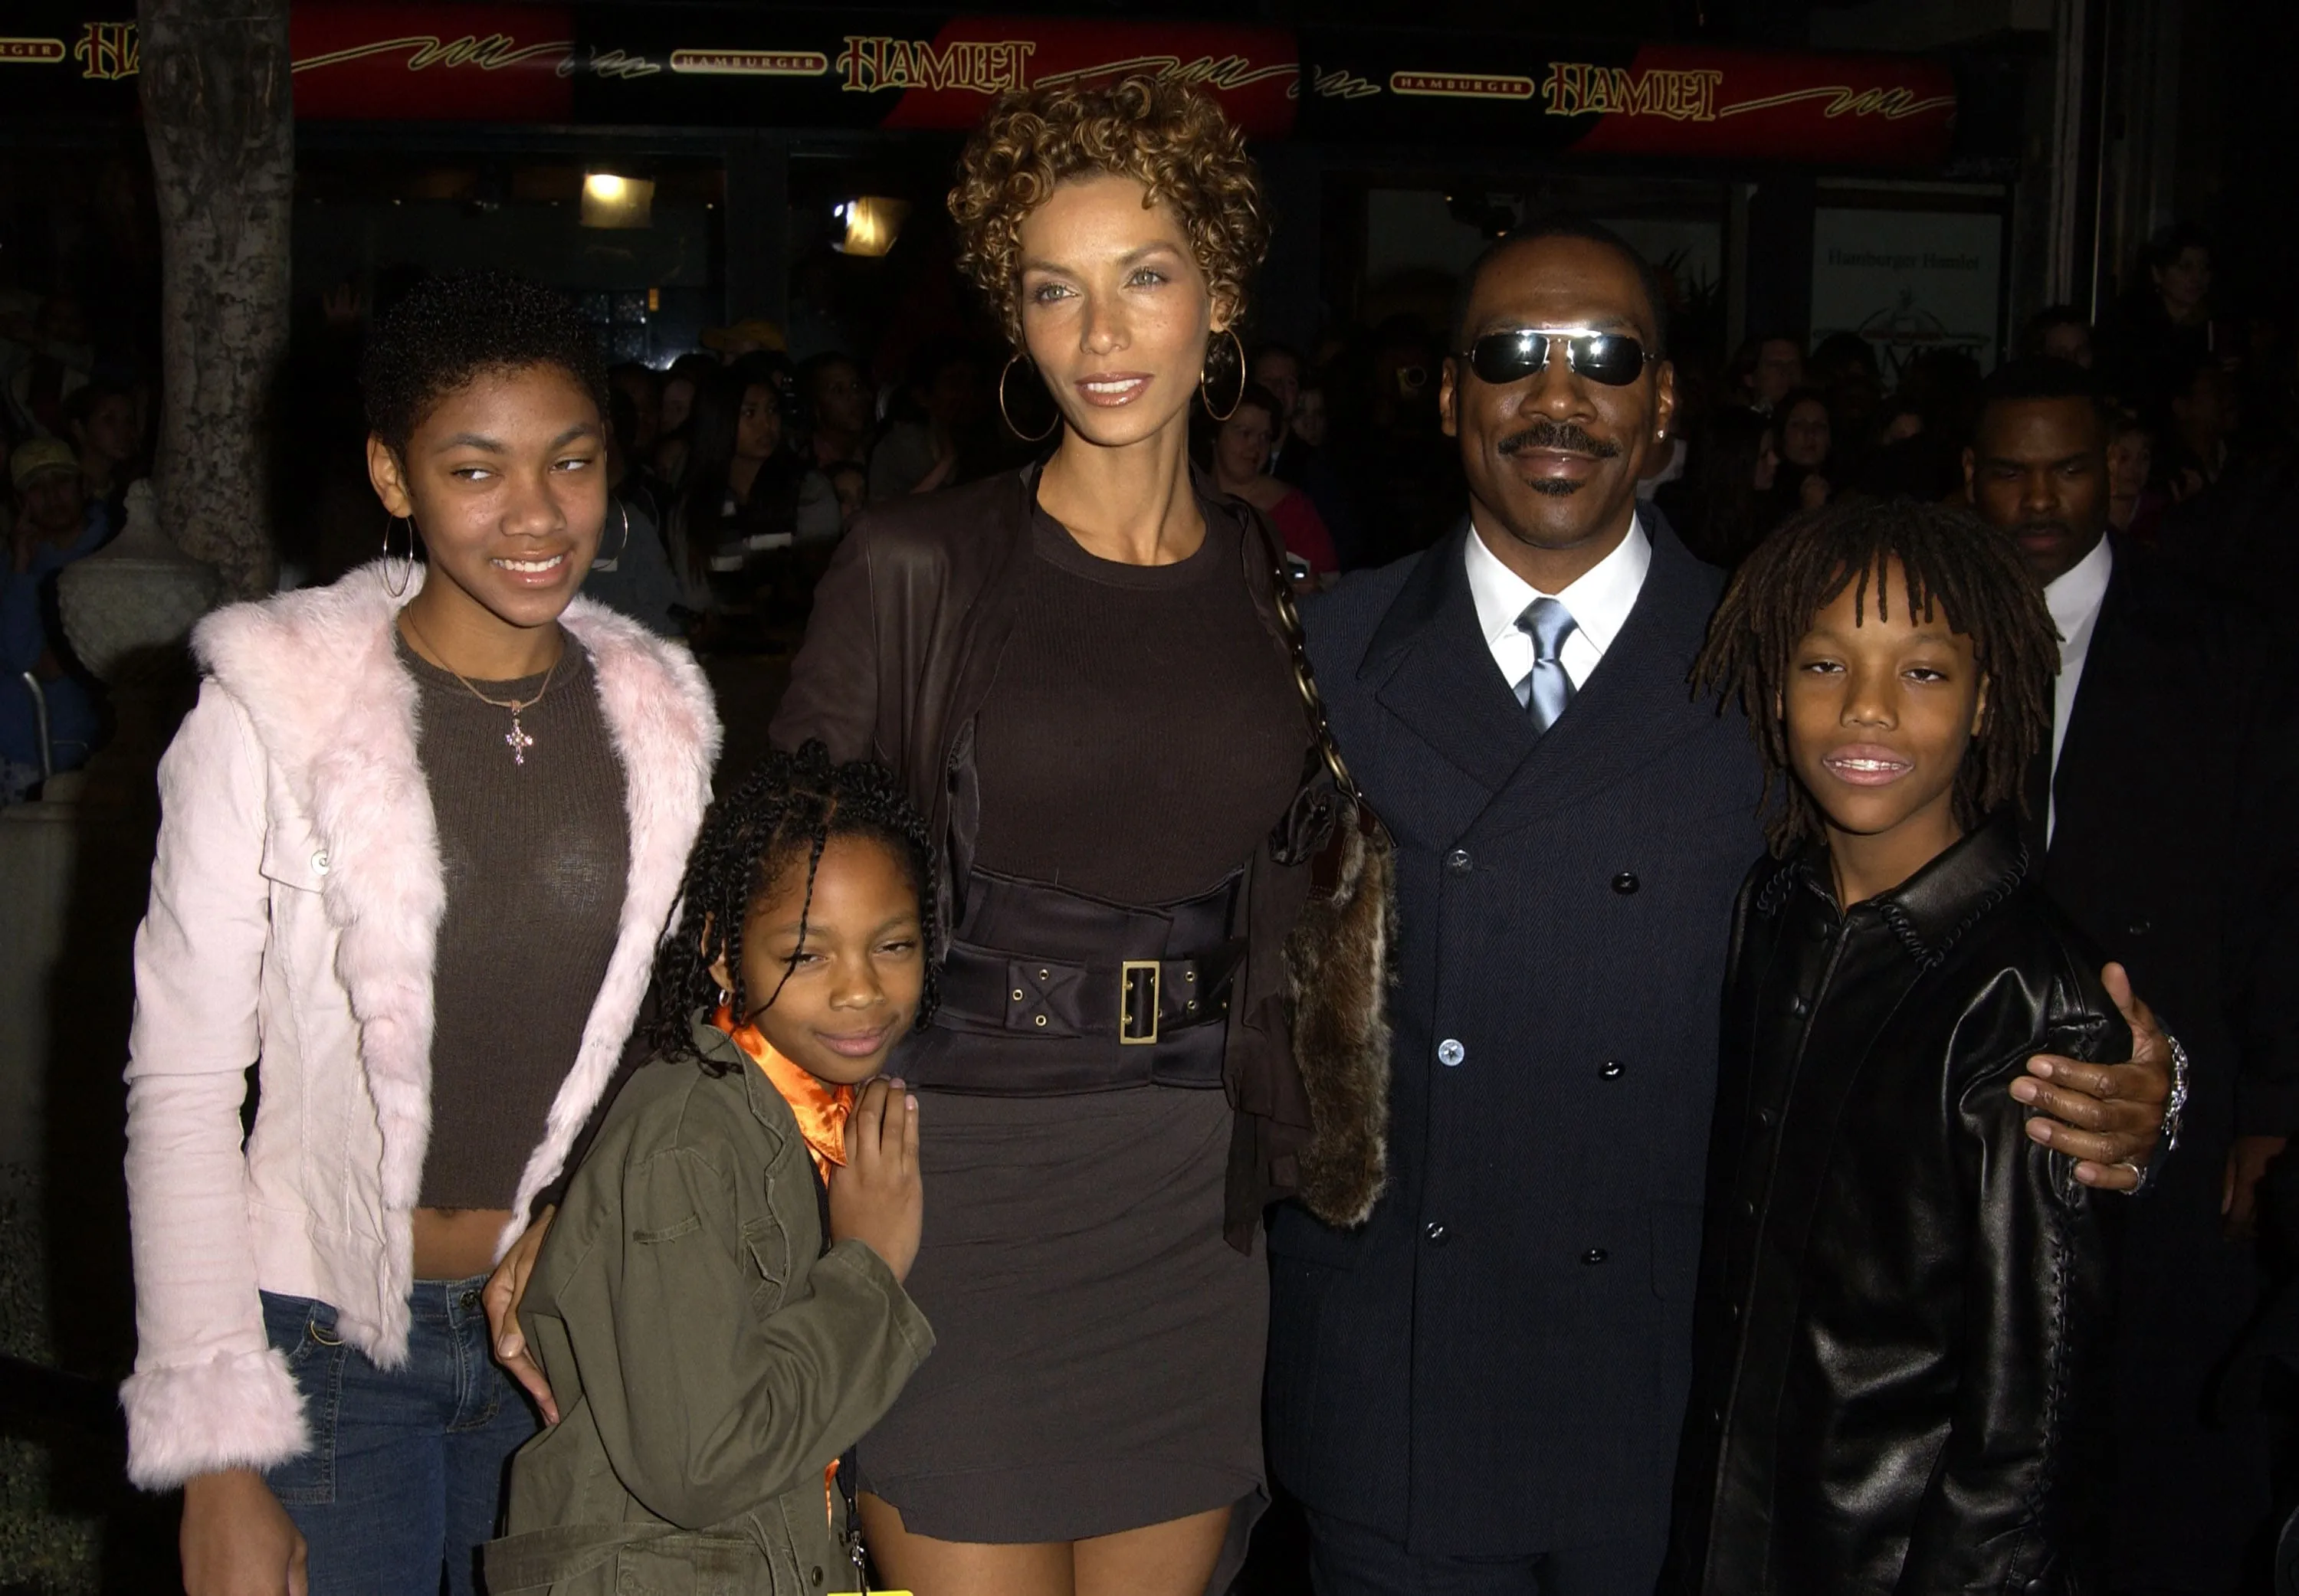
[{"x": 1080, "y": 671}]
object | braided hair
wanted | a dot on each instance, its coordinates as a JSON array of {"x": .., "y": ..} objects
[
  {"x": 786, "y": 812},
  {"x": 1953, "y": 560}
]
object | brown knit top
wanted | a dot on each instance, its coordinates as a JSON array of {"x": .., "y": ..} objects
[
  {"x": 1144, "y": 732},
  {"x": 536, "y": 858}
]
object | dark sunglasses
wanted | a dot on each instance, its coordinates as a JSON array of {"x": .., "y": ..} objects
[{"x": 1615, "y": 359}]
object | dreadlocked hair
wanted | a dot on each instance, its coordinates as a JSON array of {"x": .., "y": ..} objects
[
  {"x": 783, "y": 814},
  {"x": 1953, "y": 560}
]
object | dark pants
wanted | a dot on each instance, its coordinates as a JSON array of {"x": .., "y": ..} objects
[
  {"x": 1350, "y": 1559},
  {"x": 405, "y": 1473}
]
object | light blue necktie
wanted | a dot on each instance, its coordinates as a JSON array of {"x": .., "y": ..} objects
[{"x": 1548, "y": 689}]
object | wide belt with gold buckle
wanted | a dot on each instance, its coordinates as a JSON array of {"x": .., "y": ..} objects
[{"x": 1136, "y": 993}]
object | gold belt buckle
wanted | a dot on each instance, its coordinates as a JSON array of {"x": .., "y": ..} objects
[{"x": 1128, "y": 988}]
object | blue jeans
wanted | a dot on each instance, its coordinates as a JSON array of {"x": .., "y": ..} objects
[{"x": 405, "y": 1473}]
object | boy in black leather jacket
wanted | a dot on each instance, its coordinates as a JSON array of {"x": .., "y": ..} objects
[{"x": 1898, "y": 1285}]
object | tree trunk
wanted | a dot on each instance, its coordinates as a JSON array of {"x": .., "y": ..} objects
[{"x": 218, "y": 110}]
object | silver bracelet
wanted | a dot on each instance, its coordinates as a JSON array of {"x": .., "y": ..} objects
[{"x": 2175, "y": 1111}]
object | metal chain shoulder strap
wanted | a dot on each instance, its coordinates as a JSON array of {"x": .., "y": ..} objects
[{"x": 1312, "y": 704}]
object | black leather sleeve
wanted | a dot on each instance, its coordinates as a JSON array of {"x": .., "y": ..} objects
[
  {"x": 833, "y": 690},
  {"x": 2036, "y": 1298}
]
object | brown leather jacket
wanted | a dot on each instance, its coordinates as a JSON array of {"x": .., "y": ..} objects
[{"x": 909, "y": 625}]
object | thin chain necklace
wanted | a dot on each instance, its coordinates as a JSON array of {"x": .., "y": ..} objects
[{"x": 517, "y": 736}]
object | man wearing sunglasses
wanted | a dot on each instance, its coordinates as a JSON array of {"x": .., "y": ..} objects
[{"x": 1479, "y": 1390}]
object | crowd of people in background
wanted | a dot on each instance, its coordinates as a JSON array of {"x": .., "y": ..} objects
[
  {"x": 736, "y": 468},
  {"x": 75, "y": 430},
  {"x": 1782, "y": 427}
]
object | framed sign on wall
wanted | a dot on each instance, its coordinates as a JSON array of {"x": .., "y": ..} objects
[{"x": 1909, "y": 282}]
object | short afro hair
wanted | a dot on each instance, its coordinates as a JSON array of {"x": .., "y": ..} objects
[
  {"x": 447, "y": 331},
  {"x": 1168, "y": 137},
  {"x": 2032, "y": 378},
  {"x": 1563, "y": 227}
]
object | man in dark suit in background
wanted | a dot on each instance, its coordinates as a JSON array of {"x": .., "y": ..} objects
[
  {"x": 2170, "y": 837},
  {"x": 1479, "y": 1390}
]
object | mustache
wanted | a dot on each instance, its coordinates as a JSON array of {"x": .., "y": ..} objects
[
  {"x": 1569, "y": 437},
  {"x": 2053, "y": 528}
]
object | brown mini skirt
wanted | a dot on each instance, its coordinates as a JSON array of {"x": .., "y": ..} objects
[{"x": 1098, "y": 1346}]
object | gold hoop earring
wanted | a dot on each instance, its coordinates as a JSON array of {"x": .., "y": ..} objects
[
  {"x": 1002, "y": 410},
  {"x": 1205, "y": 379},
  {"x": 407, "y": 574}
]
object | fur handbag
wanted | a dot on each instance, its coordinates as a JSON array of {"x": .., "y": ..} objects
[{"x": 1342, "y": 959}]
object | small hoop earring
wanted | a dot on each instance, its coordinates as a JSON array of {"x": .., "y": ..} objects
[
  {"x": 624, "y": 547},
  {"x": 407, "y": 571},
  {"x": 1002, "y": 410},
  {"x": 1204, "y": 377}
]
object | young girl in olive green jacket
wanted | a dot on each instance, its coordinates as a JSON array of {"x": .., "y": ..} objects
[{"x": 719, "y": 1305}]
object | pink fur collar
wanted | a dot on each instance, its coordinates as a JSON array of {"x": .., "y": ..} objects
[{"x": 316, "y": 672}]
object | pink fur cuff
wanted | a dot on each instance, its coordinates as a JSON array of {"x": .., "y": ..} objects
[{"x": 237, "y": 1410}]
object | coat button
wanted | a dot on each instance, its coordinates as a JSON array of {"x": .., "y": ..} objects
[
  {"x": 2142, "y": 926},
  {"x": 1458, "y": 861},
  {"x": 1797, "y": 1005},
  {"x": 1765, "y": 1118},
  {"x": 1594, "y": 1255},
  {"x": 817, "y": 1575},
  {"x": 1450, "y": 1053},
  {"x": 1610, "y": 1069},
  {"x": 1437, "y": 1233},
  {"x": 1749, "y": 1208},
  {"x": 1625, "y": 883},
  {"x": 319, "y": 862},
  {"x": 1732, "y": 1312}
]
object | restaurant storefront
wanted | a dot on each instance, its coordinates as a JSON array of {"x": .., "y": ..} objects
[{"x": 681, "y": 165}]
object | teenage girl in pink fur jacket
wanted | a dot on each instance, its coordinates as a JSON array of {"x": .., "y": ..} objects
[{"x": 419, "y": 838}]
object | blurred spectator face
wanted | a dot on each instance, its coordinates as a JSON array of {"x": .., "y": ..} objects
[
  {"x": 2206, "y": 411},
  {"x": 108, "y": 433},
  {"x": 2069, "y": 341},
  {"x": 841, "y": 401},
  {"x": 54, "y": 503},
  {"x": 677, "y": 402},
  {"x": 757, "y": 425},
  {"x": 1241, "y": 446},
  {"x": 2037, "y": 467},
  {"x": 1309, "y": 417},
  {"x": 1903, "y": 425},
  {"x": 1805, "y": 435},
  {"x": 1553, "y": 458},
  {"x": 1278, "y": 371},
  {"x": 2187, "y": 282},
  {"x": 645, "y": 393},
  {"x": 1780, "y": 368},
  {"x": 2130, "y": 460},
  {"x": 1768, "y": 464}
]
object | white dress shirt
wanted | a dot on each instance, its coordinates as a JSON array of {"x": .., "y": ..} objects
[
  {"x": 1600, "y": 600},
  {"x": 2074, "y": 599}
]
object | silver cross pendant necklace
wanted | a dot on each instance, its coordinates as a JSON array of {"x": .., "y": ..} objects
[{"x": 518, "y": 736}]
